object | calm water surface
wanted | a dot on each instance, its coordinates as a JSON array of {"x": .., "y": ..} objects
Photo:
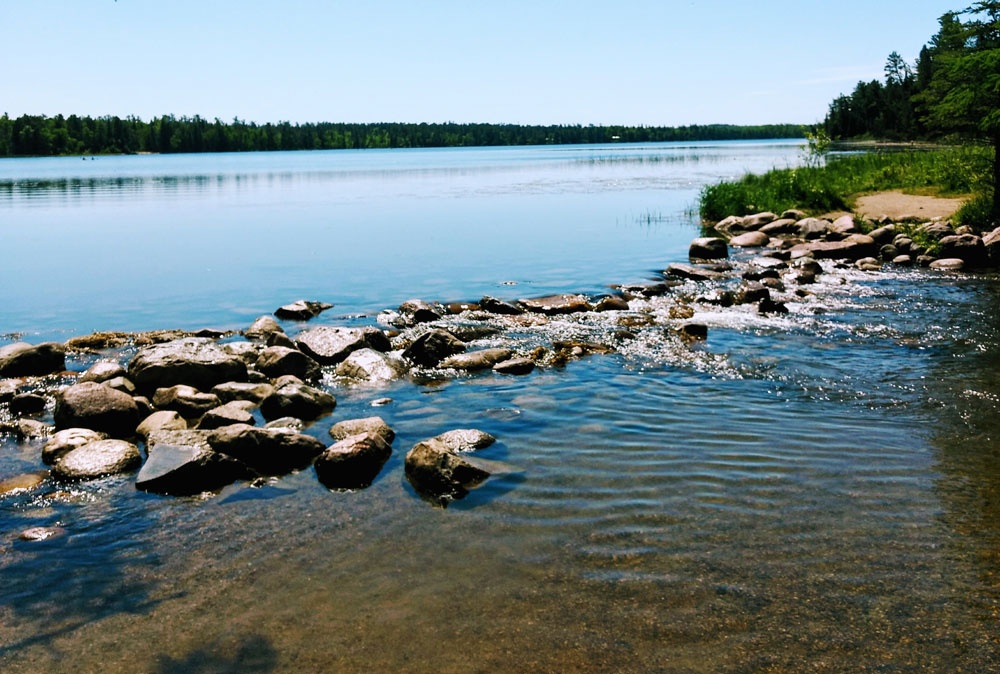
[{"x": 811, "y": 493}]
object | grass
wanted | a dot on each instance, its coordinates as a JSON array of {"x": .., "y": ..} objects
[{"x": 950, "y": 171}]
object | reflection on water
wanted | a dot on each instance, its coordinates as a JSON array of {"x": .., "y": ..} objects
[{"x": 815, "y": 492}]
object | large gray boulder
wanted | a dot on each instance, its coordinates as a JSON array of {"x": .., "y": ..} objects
[
  {"x": 275, "y": 361},
  {"x": 97, "y": 459},
  {"x": 991, "y": 242},
  {"x": 750, "y": 240},
  {"x": 439, "y": 474},
  {"x": 97, "y": 407},
  {"x": 26, "y": 360},
  {"x": 967, "y": 247},
  {"x": 354, "y": 462},
  {"x": 432, "y": 347},
  {"x": 268, "y": 451},
  {"x": 194, "y": 361},
  {"x": 297, "y": 400},
  {"x": 329, "y": 345},
  {"x": 182, "y": 463}
]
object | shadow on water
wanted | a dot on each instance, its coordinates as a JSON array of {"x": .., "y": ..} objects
[
  {"x": 251, "y": 654},
  {"x": 96, "y": 567}
]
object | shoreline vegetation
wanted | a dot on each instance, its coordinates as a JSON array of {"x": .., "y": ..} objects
[{"x": 41, "y": 136}]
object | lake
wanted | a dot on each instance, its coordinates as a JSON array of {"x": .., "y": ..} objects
[{"x": 814, "y": 492}]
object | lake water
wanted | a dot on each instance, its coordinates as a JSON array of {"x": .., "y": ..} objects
[{"x": 817, "y": 492}]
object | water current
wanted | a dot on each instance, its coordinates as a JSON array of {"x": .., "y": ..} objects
[{"x": 813, "y": 492}]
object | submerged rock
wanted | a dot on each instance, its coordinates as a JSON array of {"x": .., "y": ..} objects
[
  {"x": 182, "y": 463},
  {"x": 552, "y": 305},
  {"x": 476, "y": 360},
  {"x": 465, "y": 439}
]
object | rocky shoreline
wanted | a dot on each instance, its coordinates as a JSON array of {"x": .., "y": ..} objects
[{"x": 180, "y": 410}]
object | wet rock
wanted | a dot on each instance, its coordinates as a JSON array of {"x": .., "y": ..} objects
[
  {"x": 868, "y": 264},
  {"x": 32, "y": 429},
  {"x": 354, "y": 462},
  {"x": 432, "y": 347},
  {"x": 62, "y": 442},
  {"x": 268, "y": 451},
  {"x": 708, "y": 248},
  {"x": 769, "y": 306},
  {"x": 97, "y": 459},
  {"x": 297, "y": 400},
  {"x": 98, "y": 407},
  {"x": 262, "y": 328},
  {"x": 235, "y": 412},
  {"x": 26, "y": 360},
  {"x": 182, "y": 463},
  {"x": 438, "y": 473},
  {"x": 496, "y": 306},
  {"x": 692, "y": 272},
  {"x": 515, "y": 366},
  {"x": 275, "y": 361},
  {"x": 854, "y": 247},
  {"x": 38, "y": 534},
  {"x": 888, "y": 252},
  {"x": 751, "y": 293},
  {"x": 187, "y": 400},
  {"x": 465, "y": 439},
  {"x": 22, "y": 483},
  {"x": 476, "y": 360},
  {"x": 611, "y": 304},
  {"x": 693, "y": 332},
  {"x": 903, "y": 260},
  {"x": 27, "y": 404},
  {"x": 330, "y": 345},
  {"x": 349, "y": 427},
  {"x": 8, "y": 389},
  {"x": 718, "y": 297},
  {"x": 280, "y": 339},
  {"x": 750, "y": 240},
  {"x": 102, "y": 371},
  {"x": 194, "y": 361},
  {"x": 302, "y": 310},
  {"x": 925, "y": 260},
  {"x": 553, "y": 305},
  {"x": 414, "y": 312},
  {"x": 286, "y": 423},
  {"x": 163, "y": 420},
  {"x": 234, "y": 390},
  {"x": 645, "y": 290},
  {"x": 371, "y": 366},
  {"x": 948, "y": 264}
]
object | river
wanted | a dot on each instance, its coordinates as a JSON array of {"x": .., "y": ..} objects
[{"x": 815, "y": 492}]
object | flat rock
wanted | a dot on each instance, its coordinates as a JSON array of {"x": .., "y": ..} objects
[
  {"x": 482, "y": 359},
  {"x": 556, "y": 304},
  {"x": 948, "y": 264},
  {"x": 497, "y": 306},
  {"x": 23, "y": 482},
  {"x": 98, "y": 407},
  {"x": 235, "y": 412},
  {"x": 97, "y": 459},
  {"x": 750, "y": 240},
  {"x": 262, "y": 327},
  {"x": 27, "y": 360},
  {"x": 354, "y": 462},
  {"x": 241, "y": 390},
  {"x": 302, "y": 310},
  {"x": 515, "y": 366},
  {"x": 161, "y": 420},
  {"x": 329, "y": 345},
  {"x": 465, "y": 439},
  {"x": 182, "y": 463},
  {"x": 693, "y": 272},
  {"x": 194, "y": 361}
]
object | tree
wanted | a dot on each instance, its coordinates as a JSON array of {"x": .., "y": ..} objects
[{"x": 963, "y": 94}]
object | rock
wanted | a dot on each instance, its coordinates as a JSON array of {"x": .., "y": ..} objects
[
  {"x": 163, "y": 420},
  {"x": 868, "y": 264},
  {"x": 25, "y": 360},
  {"x": 38, "y": 534},
  {"x": 371, "y": 366},
  {"x": 991, "y": 242},
  {"x": 302, "y": 310},
  {"x": 693, "y": 272},
  {"x": 248, "y": 352},
  {"x": 297, "y": 400},
  {"x": 32, "y": 429},
  {"x": 966, "y": 247},
  {"x": 751, "y": 293},
  {"x": 708, "y": 248},
  {"x": 884, "y": 234},
  {"x": 121, "y": 384},
  {"x": 194, "y": 361},
  {"x": 611, "y": 304},
  {"x": 792, "y": 214},
  {"x": 102, "y": 371},
  {"x": 925, "y": 260},
  {"x": 438, "y": 473},
  {"x": 235, "y": 412},
  {"x": 8, "y": 389},
  {"x": 414, "y": 312},
  {"x": 812, "y": 228},
  {"x": 903, "y": 260},
  {"x": 757, "y": 220},
  {"x": 476, "y": 360},
  {"x": 22, "y": 483},
  {"x": 349, "y": 427},
  {"x": 515, "y": 366},
  {"x": 750, "y": 240},
  {"x": 854, "y": 247},
  {"x": 98, "y": 407},
  {"x": 275, "y": 361},
  {"x": 495, "y": 306},
  {"x": 645, "y": 290},
  {"x": 936, "y": 230},
  {"x": 432, "y": 347},
  {"x": 770, "y": 306},
  {"x": 779, "y": 227},
  {"x": 948, "y": 264},
  {"x": 280, "y": 339},
  {"x": 268, "y": 451},
  {"x": 182, "y": 463},
  {"x": 27, "y": 404},
  {"x": 236, "y": 390},
  {"x": 553, "y": 305},
  {"x": 97, "y": 459},
  {"x": 189, "y": 401},
  {"x": 730, "y": 225},
  {"x": 693, "y": 332},
  {"x": 888, "y": 252},
  {"x": 354, "y": 462},
  {"x": 465, "y": 439},
  {"x": 262, "y": 328},
  {"x": 286, "y": 423},
  {"x": 330, "y": 345},
  {"x": 62, "y": 442},
  {"x": 843, "y": 226}
]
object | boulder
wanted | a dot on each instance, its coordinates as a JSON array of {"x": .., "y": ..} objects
[
  {"x": 97, "y": 407},
  {"x": 189, "y": 401},
  {"x": 163, "y": 420},
  {"x": 26, "y": 360},
  {"x": 299, "y": 401},
  {"x": 102, "y": 371},
  {"x": 842, "y": 226},
  {"x": 553, "y": 305},
  {"x": 750, "y": 240},
  {"x": 27, "y": 404},
  {"x": 991, "y": 242},
  {"x": 476, "y": 360},
  {"x": 812, "y": 228},
  {"x": 349, "y": 427},
  {"x": 515, "y": 366},
  {"x": 854, "y": 247},
  {"x": 235, "y": 412},
  {"x": 240, "y": 390},
  {"x": 22, "y": 483},
  {"x": 329, "y": 345},
  {"x": 936, "y": 230},
  {"x": 413, "y": 312},
  {"x": 62, "y": 442},
  {"x": 432, "y": 347},
  {"x": 8, "y": 389},
  {"x": 708, "y": 248},
  {"x": 495, "y": 306},
  {"x": 32, "y": 429},
  {"x": 966, "y": 247},
  {"x": 440, "y": 474},
  {"x": 792, "y": 214},
  {"x": 884, "y": 234},
  {"x": 275, "y": 361},
  {"x": 779, "y": 227},
  {"x": 730, "y": 225},
  {"x": 302, "y": 310},
  {"x": 758, "y": 220},
  {"x": 268, "y": 451},
  {"x": 262, "y": 328},
  {"x": 611, "y": 304},
  {"x": 948, "y": 264},
  {"x": 354, "y": 462},
  {"x": 194, "y": 361},
  {"x": 903, "y": 260},
  {"x": 182, "y": 463},
  {"x": 97, "y": 459},
  {"x": 371, "y": 366},
  {"x": 693, "y": 332},
  {"x": 465, "y": 439}
]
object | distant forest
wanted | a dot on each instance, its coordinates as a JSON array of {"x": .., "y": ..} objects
[{"x": 39, "y": 135}]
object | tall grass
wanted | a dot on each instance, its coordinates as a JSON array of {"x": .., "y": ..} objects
[{"x": 952, "y": 171}]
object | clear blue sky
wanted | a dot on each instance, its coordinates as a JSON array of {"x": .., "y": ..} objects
[{"x": 650, "y": 62}]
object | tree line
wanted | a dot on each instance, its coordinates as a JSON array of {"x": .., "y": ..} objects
[{"x": 39, "y": 135}]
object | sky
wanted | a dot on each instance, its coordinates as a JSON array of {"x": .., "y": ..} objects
[{"x": 632, "y": 62}]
